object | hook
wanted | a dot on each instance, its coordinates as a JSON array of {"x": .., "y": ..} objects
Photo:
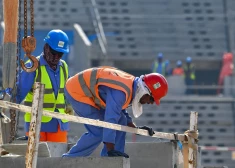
[
  {"x": 3, "y": 117},
  {"x": 29, "y": 45},
  {"x": 33, "y": 68}
]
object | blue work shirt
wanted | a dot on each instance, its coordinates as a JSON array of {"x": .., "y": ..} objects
[{"x": 26, "y": 83}]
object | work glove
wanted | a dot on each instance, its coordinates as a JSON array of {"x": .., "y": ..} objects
[
  {"x": 115, "y": 153},
  {"x": 22, "y": 138},
  {"x": 69, "y": 109},
  {"x": 150, "y": 130}
]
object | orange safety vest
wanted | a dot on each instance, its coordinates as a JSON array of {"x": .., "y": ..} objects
[
  {"x": 178, "y": 71},
  {"x": 83, "y": 86}
]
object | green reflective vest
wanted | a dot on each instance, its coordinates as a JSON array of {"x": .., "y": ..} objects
[
  {"x": 190, "y": 70},
  {"x": 155, "y": 67},
  {"x": 50, "y": 102}
]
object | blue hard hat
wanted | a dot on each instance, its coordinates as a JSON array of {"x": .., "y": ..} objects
[
  {"x": 188, "y": 59},
  {"x": 160, "y": 55},
  {"x": 179, "y": 63},
  {"x": 58, "y": 40},
  {"x": 167, "y": 62}
]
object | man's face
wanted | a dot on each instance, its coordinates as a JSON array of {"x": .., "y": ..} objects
[
  {"x": 146, "y": 99},
  {"x": 52, "y": 57}
]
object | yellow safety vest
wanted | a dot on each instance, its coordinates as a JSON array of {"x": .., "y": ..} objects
[
  {"x": 192, "y": 73},
  {"x": 156, "y": 66},
  {"x": 50, "y": 103}
]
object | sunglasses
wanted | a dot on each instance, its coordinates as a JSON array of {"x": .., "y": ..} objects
[{"x": 54, "y": 52}]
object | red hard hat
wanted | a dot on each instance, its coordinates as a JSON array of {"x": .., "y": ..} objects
[{"x": 157, "y": 85}]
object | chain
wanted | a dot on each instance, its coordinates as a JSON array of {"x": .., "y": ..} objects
[
  {"x": 15, "y": 122},
  {"x": 25, "y": 18},
  {"x": 32, "y": 17},
  {"x": 18, "y": 63}
]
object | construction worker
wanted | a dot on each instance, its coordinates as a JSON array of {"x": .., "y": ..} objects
[
  {"x": 53, "y": 72},
  {"x": 226, "y": 70},
  {"x": 189, "y": 72},
  {"x": 179, "y": 71},
  {"x": 158, "y": 65},
  {"x": 103, "y": 94}
]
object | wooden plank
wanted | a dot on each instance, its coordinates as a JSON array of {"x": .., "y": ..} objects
[
  {"x": 193, "y": 127},
  {"x": 35, "y": 126},
  {"x": 23, "y": 108}
]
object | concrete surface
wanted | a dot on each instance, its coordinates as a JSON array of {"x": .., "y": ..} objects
[
  {"x": 45, "y": 149},
  {"x": 149, "y": 155},
  {"x": 58, "y": 162},
  {"x": 152, "y": 155},
  {"x": 214, "y": 167}
]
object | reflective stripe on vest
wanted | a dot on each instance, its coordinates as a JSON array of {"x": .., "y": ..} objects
[
  {"x": 50, "y": 103},
  {"x": 46, "y": 105}
]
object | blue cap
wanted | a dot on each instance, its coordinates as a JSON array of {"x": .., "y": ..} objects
[
  {"x": 188, "y": 59},
  {"x": 58, "y": 40},
  {"x": 160, "y": 55},
  {"x": 179, "y": 63}
]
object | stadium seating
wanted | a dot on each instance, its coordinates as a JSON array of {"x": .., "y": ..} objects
[{"x": 136, "y": 31}]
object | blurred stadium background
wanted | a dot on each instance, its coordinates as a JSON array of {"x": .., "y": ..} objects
[{"x": 128, "y": 34}]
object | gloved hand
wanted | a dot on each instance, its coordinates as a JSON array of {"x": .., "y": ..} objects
[
  {"x": 22, "y": 138},
  {"x": 69, "y": 109},
  {"x": 115, "y": 153},
  {"x": 150, "y": 130}
]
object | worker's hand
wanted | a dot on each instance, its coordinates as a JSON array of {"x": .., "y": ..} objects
[
  {"x": 115, "y": 153},
  {"x": 131, "y": 124},
  {"x": 109, "y": 146},
  {"x": 69, "y": 109},
  {"x": 150, "y": 130},
  {"x": 3, "y": 152}
]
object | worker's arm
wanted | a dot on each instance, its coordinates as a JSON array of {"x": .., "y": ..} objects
[
  {"x": 115, "y": 99},
  {"x": 24, "y": 84},
  {"x": 128, "y": 117}
]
